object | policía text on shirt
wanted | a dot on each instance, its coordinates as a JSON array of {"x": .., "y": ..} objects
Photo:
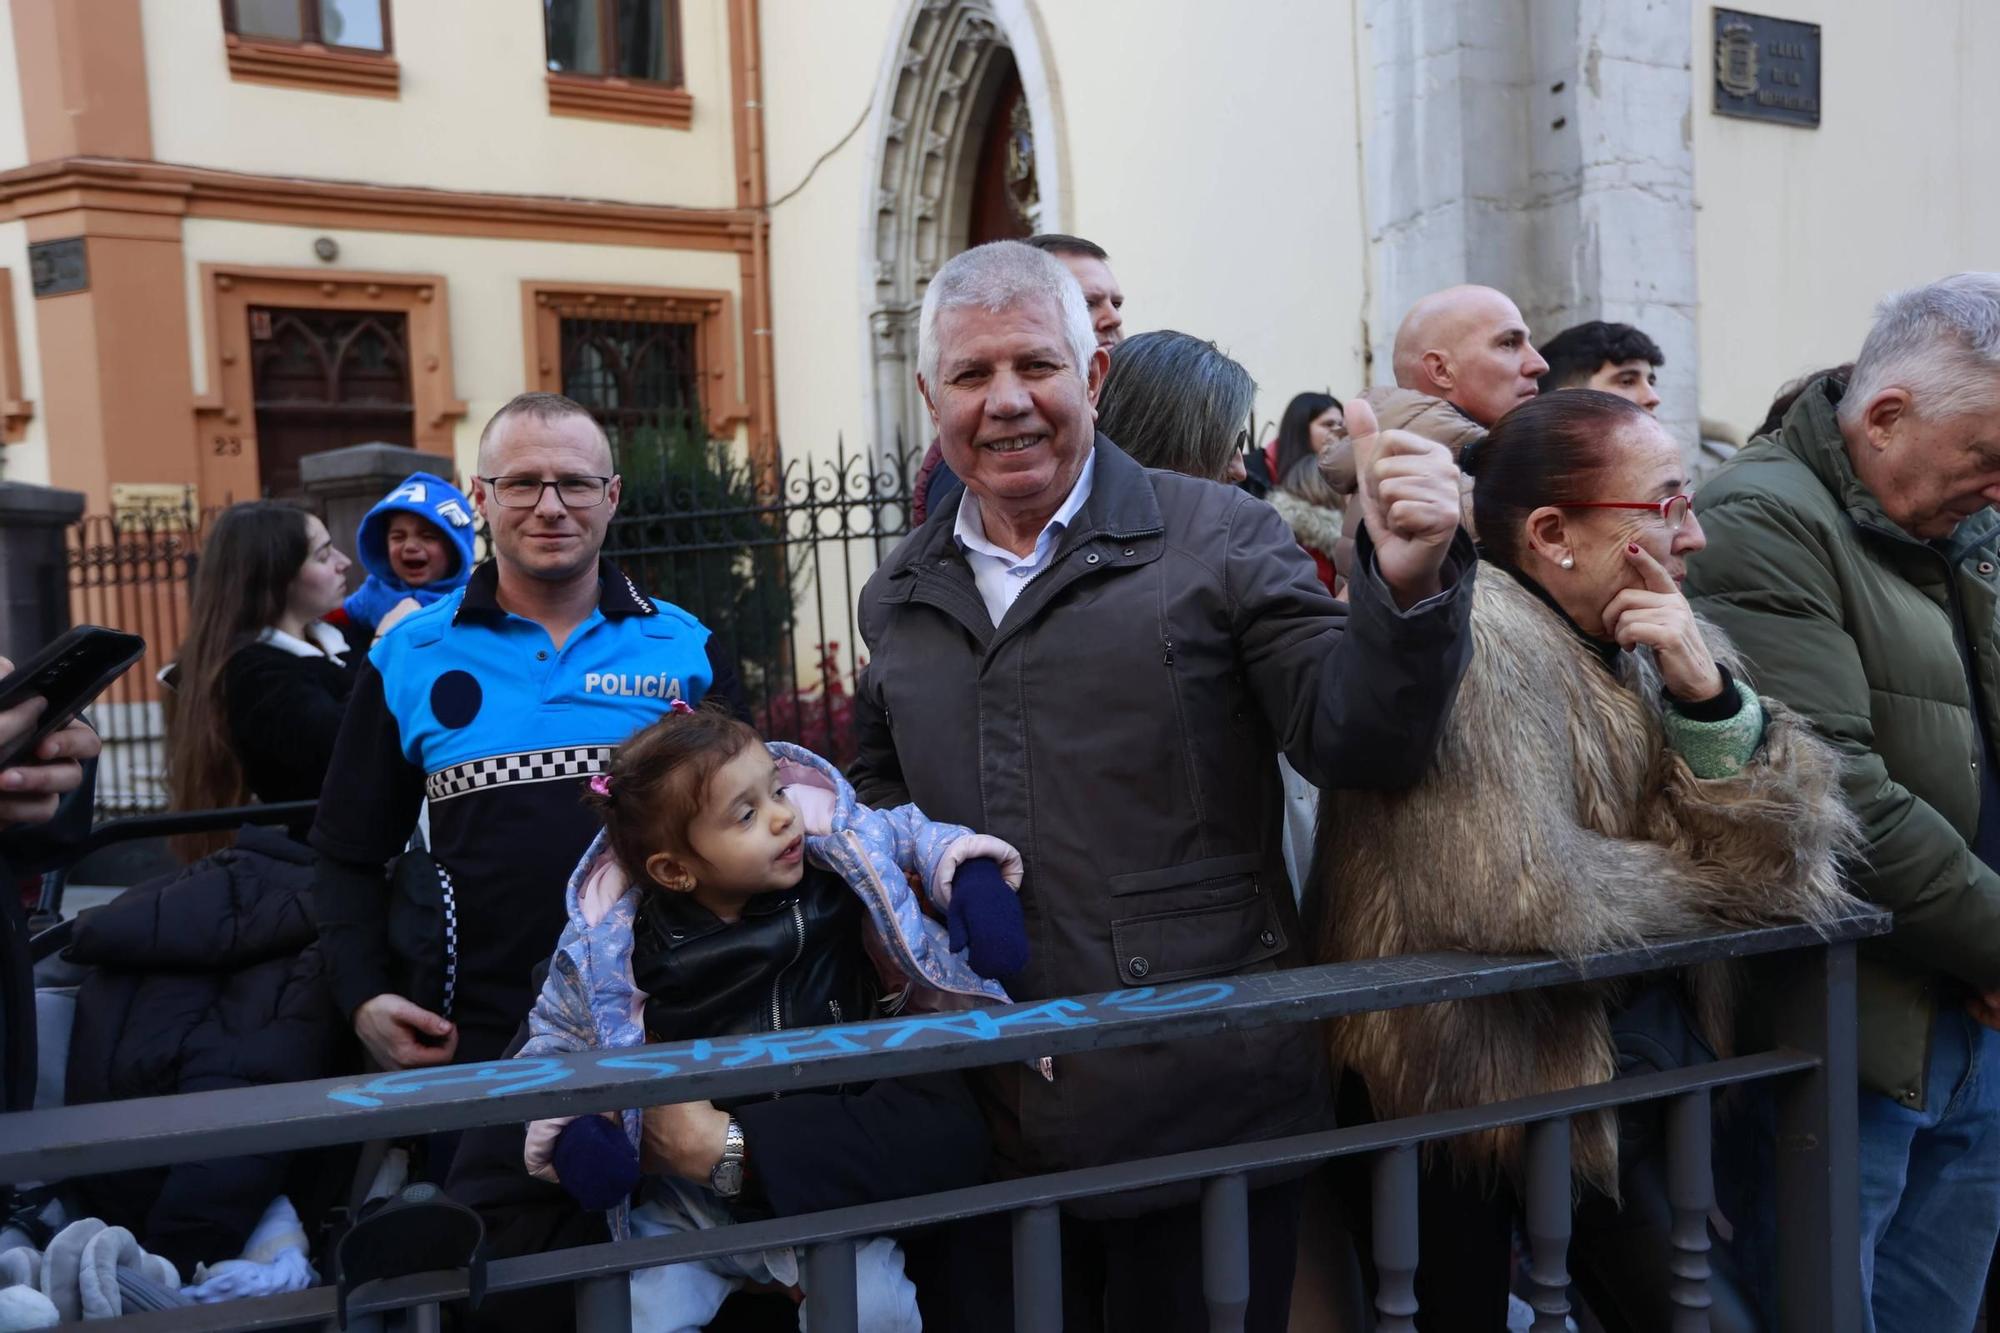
[{"x": 632, "y": 687}]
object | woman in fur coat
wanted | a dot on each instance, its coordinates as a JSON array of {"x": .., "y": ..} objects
[
  {"x": 1607, "y": 777},
  {"x": 1300, "y": 492}
]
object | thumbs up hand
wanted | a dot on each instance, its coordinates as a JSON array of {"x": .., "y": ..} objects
[{"x": 1409, "y": 500}]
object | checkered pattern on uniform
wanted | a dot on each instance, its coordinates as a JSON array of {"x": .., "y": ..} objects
[
  {"x": 532, "y": 766},
  {"x": 449, "y": 896}
]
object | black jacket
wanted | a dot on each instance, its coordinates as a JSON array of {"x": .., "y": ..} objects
[
  {"x": 1121, "y": 727},
  {"x": 794, "y": 959},
  {"x": 284, "y": 713},
  {"x": 204, "y": 979}
]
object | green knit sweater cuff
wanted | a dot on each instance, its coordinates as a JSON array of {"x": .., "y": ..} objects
[{"x": 1719, "y": 749}]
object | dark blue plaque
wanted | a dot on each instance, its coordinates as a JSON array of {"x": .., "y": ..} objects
[
  {"x": 1766, "y": 68},
  {"x": 57, "y": 267}
]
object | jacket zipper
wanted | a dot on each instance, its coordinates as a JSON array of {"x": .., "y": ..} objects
[
  {"x": 834, "y": 1005},
  {"x": 798, "y": 952}
]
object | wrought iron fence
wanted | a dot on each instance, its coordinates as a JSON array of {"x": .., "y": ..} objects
[
  {"x": 772, "y": 559},
  {"x": 1811, "y": 1072},
  {"x": 133, "y": 571}
]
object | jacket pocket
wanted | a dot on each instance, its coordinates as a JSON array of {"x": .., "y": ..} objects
[
  {"x": 1233, "y": 872},
  {"x": 1205, "y": 941}
]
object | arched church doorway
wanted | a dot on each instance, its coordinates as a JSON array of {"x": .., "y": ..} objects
[{"x": 957, "y": 167}]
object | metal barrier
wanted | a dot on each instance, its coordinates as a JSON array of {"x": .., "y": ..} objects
[
  {"x": 1812, "y": 1070},
  {"x": 134, "y": 828}
]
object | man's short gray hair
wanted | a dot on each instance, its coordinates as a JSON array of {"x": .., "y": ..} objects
[
  {"x": 999, "y": 276},
  {"x": 1941, "y": 342}
]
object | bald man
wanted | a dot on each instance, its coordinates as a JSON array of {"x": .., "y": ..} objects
[
  {"x": 1469, "y": 346},
  {"x": 1462, "y": 361}
]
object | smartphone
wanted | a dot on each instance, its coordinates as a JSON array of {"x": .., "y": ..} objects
[{"x": 69, "y": 673}]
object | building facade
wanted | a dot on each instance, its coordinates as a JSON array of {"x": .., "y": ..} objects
[
  {"x": 1286, "y": 177},
  {"x": 234, "y": 232}
]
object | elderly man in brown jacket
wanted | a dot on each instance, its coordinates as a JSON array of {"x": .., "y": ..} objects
[{"x": 1100, "y": 663}]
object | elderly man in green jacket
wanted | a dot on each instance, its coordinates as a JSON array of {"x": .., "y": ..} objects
[{"x": 1854, "y": 555}]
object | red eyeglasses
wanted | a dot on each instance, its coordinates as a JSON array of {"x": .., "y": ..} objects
[{"x": 1673, "y": 510}]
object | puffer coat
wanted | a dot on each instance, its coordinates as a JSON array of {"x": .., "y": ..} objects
[
  {"x": 1857, "y": 624},
  {"x": 208, "y": 978}
]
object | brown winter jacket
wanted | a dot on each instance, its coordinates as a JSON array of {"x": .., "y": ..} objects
[
  {"x": 1555, "y": 818},
  {"x": 1120, "y": 727}
]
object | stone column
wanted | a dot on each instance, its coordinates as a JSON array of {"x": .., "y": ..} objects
[
  {"x": 344, "y": 484},
  {"x": 34, "y": 565},
  {"x": 1543, "y": 147}
]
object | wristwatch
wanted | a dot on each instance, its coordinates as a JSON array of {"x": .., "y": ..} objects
[{"x": 727, "y": 1178}]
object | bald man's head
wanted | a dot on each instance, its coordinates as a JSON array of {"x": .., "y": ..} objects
[{"x": 1469, "y": 346}]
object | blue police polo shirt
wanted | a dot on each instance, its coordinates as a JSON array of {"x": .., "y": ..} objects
[{"x": 475, "y": 709}]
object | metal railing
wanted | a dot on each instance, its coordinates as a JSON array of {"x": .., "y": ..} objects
[
  {"x": 772, "y": 559},
  {"x": 1811, "y": 1071},
  {"x": 133, "y": 571}
]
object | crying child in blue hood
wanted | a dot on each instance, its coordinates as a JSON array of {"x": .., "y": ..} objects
[{"x": 417, "y": 543}]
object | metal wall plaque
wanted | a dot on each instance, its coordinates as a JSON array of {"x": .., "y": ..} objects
[
  {"x": 56, "y": 267},
  {"x": 1766, "y": 68}
]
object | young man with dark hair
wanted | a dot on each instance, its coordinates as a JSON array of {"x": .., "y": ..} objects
[{"x": 1615, "y": 358}]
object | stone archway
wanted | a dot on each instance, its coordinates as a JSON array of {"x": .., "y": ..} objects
[{"x": 954, "y": 61}]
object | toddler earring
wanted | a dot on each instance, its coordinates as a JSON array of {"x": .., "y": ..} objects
[{"x": 1569, "y": 562}]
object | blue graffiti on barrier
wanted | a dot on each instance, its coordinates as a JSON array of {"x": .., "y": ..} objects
[{"x": 782, "y": 1048}]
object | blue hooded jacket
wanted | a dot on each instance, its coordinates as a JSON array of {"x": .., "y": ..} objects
[{"x": 445, "y": 508}]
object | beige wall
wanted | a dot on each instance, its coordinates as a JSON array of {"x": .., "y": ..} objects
[
  {"x": 13, "y": 130},
  {"x": 483, "y": 283},
  {"x": 28, "y": 460},
  {"x": 1799, "y": 232},
  {"x": 473, "y": 113},
  {"x": 821, "y": 63},
  {"x": 1221, "y": 172}
]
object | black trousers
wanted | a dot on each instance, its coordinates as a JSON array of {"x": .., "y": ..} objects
[{"x": 1120, "y": 1275}]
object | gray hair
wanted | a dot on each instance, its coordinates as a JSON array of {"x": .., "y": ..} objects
[
  {"x": 1941, "y": 342},
  {"x": 1176, "y": 402},
  {"x": 999, "y": 276}
]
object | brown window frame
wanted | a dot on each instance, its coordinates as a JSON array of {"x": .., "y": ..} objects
[
  {"x": 711, "y": 311},
  {"x": 309, "y": 27},
  {"x": 620, "y": 97},
  {"x": 310, "y": 64},
  {"x": 607, "y": 42},
  {"x": 16, "y": 411}
]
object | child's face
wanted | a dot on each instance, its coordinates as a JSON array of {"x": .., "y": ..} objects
[
  {"x": 418, "y": 552},
  {"x": 747, "y": 838}
]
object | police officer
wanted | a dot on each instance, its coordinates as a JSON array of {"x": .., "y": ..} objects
[{"x": 496, "y": 704}]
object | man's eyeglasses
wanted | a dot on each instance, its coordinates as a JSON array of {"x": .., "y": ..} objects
[
  {"x": 1673, "y": 510},
  {"x": 526, "y": 492}
]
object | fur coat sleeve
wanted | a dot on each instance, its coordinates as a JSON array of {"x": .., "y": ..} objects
[{"x": 1556, "y": 820}]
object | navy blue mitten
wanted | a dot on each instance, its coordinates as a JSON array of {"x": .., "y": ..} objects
[
  {"x": 595, "y": 1162},
  {"x": 986, "y": 914}
]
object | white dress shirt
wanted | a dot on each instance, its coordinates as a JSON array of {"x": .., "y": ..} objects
[{"x": 999, "y": 573}]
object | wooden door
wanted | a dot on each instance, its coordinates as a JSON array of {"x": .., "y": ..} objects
[{"x": 324, "y": 379}]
